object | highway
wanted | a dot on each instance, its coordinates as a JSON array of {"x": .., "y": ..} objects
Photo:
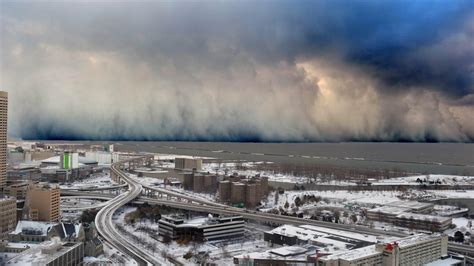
[
  {"x": 85, "y": 207},
  {"x": 184, "y": 196},
  {"x": 107, "y": 230},
  {"x": 270, "y": 218},
  {"x": 113, "y": 187},
  {"x": 250, "y": 215}
]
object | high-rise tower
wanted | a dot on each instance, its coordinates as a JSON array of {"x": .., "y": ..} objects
[{"x": 3, "y": 138}]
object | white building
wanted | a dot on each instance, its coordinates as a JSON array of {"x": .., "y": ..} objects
[
  {"x": 69, "y": 160},
  {"x": 414, "y": 250},
  {"x": 100, "y": 156}
]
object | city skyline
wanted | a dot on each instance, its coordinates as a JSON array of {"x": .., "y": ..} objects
[{"x": 239, "y": 71}]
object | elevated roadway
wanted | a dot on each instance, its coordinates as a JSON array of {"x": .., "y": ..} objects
[
  {"x": 114, "y": 187},
  {"x": 278, "y": 219},
  {"x": 86, "y": 207},
  {"x": 106, "y": 228}
]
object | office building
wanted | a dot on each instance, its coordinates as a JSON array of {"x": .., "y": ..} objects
[
  {"x": 313, "y": 245},
  {"x": 282, "y": 256},
  {"x": 17, "y": 190},
  {"x": 188, "y": 164},
  {"x": 69, "y": 160},
  {"x": 43, "y": 202},
  {"x": 331, "y": 239},
  {"x": 202, "y": 229},
  {"x": 413, "y": 250},
  {"x": 402, "y": 216},
  {"x": 3, "y": 138},
  {"x": 7, "y": 216},
  {"x": 51, "y": 253}
]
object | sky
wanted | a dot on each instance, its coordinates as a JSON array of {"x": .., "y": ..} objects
[{"x": 232, "y": 70}]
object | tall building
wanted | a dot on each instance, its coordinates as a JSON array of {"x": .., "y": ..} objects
[
  {"x": 43, "y": 202},
  {"x": 3, "y": 138},
  {"x": 69, "y": 160},
  {"x": 7, "y": 216}
]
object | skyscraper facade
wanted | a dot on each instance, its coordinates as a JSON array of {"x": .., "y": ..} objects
[{"x": 3, "y": 138}]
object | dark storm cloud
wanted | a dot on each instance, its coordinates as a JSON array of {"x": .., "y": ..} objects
[{"x": 228, "y": 70}]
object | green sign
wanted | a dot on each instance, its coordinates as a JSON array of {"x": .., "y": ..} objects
[{"x": 66, "y": 160}]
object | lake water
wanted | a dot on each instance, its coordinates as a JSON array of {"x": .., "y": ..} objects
[{"x": 436, "y": 158}]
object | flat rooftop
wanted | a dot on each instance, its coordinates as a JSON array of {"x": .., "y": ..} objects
[
  {"x": 36, "y": 256},
  {"x": 411, "y": 204}
]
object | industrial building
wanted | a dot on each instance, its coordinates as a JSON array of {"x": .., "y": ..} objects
[
  {"x": 7, "y": 215},
  {"x": 202, "y": 229},
  {"x": 43, "y": 202}
]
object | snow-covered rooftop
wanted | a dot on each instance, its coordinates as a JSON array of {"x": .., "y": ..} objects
[
  {"x": 35, "y": 227},
  {"x": 392, "y": 210},
  {"x": 36, "y": 256},
  {"x": 424, "y": 217},
  {"x": 411, "y": 204},
  {"x": 355, "y": 254}
]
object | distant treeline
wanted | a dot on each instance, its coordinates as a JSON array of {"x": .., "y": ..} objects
[{"x": 326, "y": 172}]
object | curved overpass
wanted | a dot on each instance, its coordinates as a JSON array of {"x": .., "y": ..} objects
[
  {"x": 87, "y": 207},
  {"x": 184, "y": 196},
  {"x": 104, "y": 224},
  {"x": 113, "y": 187},
  {"x": 278, "y": 219}
]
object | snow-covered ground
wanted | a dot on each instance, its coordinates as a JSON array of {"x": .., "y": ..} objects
[
  {"x": 113, "y": 256},
  {"x": 159, "y": 183},
  {"x": 218, "y": 253},
  {"x": 338, "y": 197},
  {"x": 162, "y": 156},
  {"x": 96, "y": 181},
  {"x": 352, "y": 202},
  {"x": 453, "y": 193},
  {"x": 227, "y": 168},
  {"x": 440, "y": 179}
]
